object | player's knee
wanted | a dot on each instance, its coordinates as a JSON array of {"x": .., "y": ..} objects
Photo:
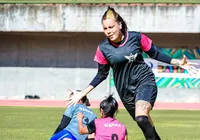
[{"x": 141, "y": 120}]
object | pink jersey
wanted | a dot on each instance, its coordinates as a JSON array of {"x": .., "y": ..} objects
[{"x": 109, "y": 129}]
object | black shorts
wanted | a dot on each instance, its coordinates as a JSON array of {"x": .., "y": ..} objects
[{"x": 146, "y": 92}]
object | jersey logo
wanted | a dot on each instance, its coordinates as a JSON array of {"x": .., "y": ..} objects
[{"x": 131, "y": 57}]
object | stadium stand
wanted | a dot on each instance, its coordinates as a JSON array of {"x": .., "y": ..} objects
[{"x": 99, "y": 1}]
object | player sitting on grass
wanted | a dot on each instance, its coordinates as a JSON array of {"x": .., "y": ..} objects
[
  {"x": 68, "y": 127},
  {"x": 106, "y": 127}
]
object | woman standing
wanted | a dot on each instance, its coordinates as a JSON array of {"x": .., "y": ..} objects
[{"x": 133, "y": 78}]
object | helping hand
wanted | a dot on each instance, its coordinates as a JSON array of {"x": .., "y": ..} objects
[
  {"x": 74, "y": 99},
  {"x": 188, "y": 66}
]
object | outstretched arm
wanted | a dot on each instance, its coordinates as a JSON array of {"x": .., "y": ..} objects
[
  {"x": 149, "y": 48},
  {"x": 103, "y": 71},
  {"x": 155, "y": 53},
  {"x": 158, "y": 55}
]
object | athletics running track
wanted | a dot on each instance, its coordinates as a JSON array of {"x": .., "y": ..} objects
[{"x": 94, "y": 104}]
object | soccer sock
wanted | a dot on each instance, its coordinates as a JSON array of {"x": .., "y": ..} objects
[
  {"x": 156, "y": 134},
  {"x": 146, "y": 127}
]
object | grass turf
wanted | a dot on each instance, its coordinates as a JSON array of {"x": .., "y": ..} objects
[{"x": 38, "y": 123}]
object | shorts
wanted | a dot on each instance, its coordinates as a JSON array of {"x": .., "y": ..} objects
[
  {"x": 146, "y": 92},
  {"x": 62, "y": 134}
]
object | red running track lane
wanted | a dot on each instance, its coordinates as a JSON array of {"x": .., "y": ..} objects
[{"x": 94, "y": 104}]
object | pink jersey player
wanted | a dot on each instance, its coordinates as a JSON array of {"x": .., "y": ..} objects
[
  {"x": 109, "y": 129},
  {"x": 106, "y": 127}
]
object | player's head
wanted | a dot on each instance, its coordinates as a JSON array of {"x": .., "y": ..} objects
[
  {"x": 108, "y": 107},
  {"x": 84, "y": 100},
  {"x": 114, "y": 26}
]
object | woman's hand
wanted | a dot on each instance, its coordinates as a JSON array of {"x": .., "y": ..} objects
[
  {"x": 189, "y": 66},
  {"x": 75, "y": 98},
  {"x": 80, "y": 116}
]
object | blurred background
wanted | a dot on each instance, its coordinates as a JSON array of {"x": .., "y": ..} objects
[{"x": 48, "y": 46}]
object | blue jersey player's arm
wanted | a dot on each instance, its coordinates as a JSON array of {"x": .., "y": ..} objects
[
  {"x": 64, "y": 122},
  {"x": 67, "y": 116}
]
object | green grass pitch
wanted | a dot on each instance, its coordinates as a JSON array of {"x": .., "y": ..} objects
[{"x": 38, "y": 123}]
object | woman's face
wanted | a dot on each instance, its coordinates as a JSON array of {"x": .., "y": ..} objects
[{"x": 112, "y": 29}]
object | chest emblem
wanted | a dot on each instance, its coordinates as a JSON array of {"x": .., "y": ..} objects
[{"x": 131, "y": 57}]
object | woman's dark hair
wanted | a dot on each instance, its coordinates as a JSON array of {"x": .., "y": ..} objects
[
  {"x": 111, "y": 13},
  {"x": 109, "y": 106}
]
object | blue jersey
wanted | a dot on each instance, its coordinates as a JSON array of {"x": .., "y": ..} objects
[{"x": 72, "y": 127}]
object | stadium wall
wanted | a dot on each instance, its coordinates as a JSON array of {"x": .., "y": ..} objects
[
  {"x": 47, "y": 64},
  {"x": 87, "y": 18},
  {"x": 46, "y": 49}
]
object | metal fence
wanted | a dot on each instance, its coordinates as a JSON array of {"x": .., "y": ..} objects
[{"x": 98, "y": 1}]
